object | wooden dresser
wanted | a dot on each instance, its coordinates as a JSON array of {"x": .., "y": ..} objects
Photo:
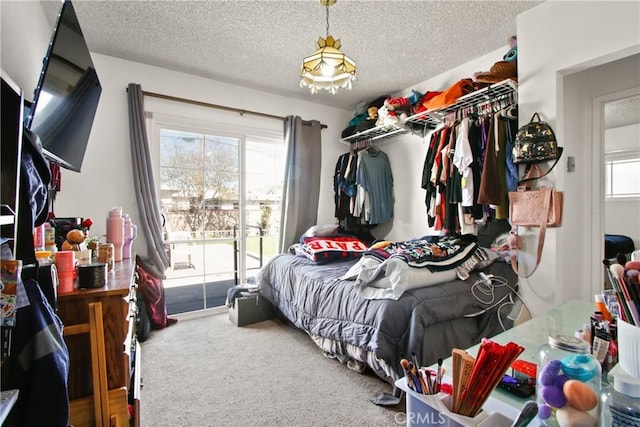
[{"x": 121, "y": 347}]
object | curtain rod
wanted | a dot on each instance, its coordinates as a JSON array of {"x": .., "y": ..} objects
[{"x": 220, "y": 107}]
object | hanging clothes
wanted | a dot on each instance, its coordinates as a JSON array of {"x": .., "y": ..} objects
[
  {"x": 512, "y": 177},
  {"x": 375, "y": 177},
  {"x": 502, "y": 208},
  {"x": 490, "y": 185}
]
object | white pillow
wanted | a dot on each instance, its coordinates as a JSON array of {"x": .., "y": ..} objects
[{"x": 321, "y": 231}]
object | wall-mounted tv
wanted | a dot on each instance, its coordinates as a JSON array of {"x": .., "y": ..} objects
[{"x": 67, "y": 95}]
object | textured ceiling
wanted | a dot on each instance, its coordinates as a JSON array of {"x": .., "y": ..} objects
[
  {"x": 260, "y": 44},
  {"x": 622, "y": 112}
]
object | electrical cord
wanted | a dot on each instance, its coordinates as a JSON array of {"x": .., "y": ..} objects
[{"x": 483, "y": 290}]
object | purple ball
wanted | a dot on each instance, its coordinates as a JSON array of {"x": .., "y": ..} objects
[
  {"x": 560, "y": 380},
  {"x": 544, "y": 411},
  {"x": 553, "y": 396},
  {"x": 549, "y": 372}
]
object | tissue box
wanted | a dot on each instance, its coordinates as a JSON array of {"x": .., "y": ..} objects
[{"x": 250, "y": 308}]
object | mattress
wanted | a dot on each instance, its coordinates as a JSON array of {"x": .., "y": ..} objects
[{"x": 427, "y": 321}]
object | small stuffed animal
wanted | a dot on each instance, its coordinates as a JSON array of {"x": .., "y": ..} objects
[{"x": 75, "y": 238}]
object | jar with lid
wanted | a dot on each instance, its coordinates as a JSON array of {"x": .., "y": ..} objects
[
  {"x": 621, "y": 400},
  {"x": 568, "y": 383},
  {"x": 44, "y": 257}
]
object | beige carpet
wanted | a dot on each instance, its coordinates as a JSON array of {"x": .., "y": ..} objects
[{"x": 207, "y": 372}]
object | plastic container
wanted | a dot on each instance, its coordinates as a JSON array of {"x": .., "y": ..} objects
[
  {"x": 602, "y": 307},
  {"x": 621, "y": 401},
  {"x": 65, "y": 282},
  {"x": 44, "y": 257},
  {"x": 629, "y": 348},
  {"x": 49, "y": 235},
  {"x": 434, "y": 410},
  {"x": 65, "y": 261},
  {"x": 115, "y": 232},
  {"x": 105, "y": 254},
  {"x": 38, "y": 238},
  {"x": 130, "y": 234},
  {"x": 568, "y": 383}
]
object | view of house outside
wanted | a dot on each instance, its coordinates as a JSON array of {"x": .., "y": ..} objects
[{"x": 201, "y": 187}]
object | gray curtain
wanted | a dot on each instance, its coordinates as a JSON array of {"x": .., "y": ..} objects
[
  {"x": 302, "y": 179},
  {"x": 148, "y": 206}
]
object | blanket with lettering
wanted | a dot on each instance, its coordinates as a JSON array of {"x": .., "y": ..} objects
[{"x": 325, "y": 249}]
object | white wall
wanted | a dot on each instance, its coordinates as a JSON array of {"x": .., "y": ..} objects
[
  {"x": 25, "y": 35},
  {"x": 557, "y": 39}
]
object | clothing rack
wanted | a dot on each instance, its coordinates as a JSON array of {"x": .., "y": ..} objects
[
  {"x": 363, "y": 144},
  {"x": 491, "y": 106}
]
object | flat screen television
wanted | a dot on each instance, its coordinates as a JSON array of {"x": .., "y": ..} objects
[{"x": 67, "y": 94}]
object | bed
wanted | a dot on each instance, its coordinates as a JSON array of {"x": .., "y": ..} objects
[{"x": 376, "y": 332}]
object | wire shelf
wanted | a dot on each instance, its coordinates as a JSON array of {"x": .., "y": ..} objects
[
  {"x": 375, "y": 133},
  {"x": 474, "y": 101}
]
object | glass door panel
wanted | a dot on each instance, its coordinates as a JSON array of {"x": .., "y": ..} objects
[
  {"x": 263, "y": 191},
  {"x": 200, "y": 198}
]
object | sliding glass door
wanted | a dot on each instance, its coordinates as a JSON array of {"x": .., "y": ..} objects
[{"x": 220, "y": 196}]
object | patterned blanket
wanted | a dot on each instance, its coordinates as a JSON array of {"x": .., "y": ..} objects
[{"x": 432, "y": 252}]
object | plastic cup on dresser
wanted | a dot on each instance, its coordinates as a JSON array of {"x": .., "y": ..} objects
[
  {"x": 65, "y": 260},
  {"x": 66, "y": 267}
]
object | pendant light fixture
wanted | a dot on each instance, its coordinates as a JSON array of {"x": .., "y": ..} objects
[{"x": 327, "y": 68}]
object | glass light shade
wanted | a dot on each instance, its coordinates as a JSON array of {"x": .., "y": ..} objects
[{"x": 327, "y": 68}]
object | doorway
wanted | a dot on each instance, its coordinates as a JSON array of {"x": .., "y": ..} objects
[
  {"x": 620, "y": 170},
  {"x": 613, "y": 93},
  {"x": 220, "y": 195}
]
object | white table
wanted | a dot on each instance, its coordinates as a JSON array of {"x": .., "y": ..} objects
[{"x": 565, "y": 320}]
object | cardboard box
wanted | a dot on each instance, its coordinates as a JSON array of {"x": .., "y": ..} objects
[{"x": 250, "y": 309}]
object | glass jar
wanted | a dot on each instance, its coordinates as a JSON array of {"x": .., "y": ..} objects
[
  {"x": 621, "y": 401},
  {"x": 568, "y": 383}
]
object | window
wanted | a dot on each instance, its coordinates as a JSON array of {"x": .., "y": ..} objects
[
  {"x": 622, "y": 176},
  {"x": 220, "y": 194}
]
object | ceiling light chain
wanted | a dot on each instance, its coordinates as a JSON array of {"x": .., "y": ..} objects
[
  {"x": 327, "y": 68},
  {"x": 327, "y": 8}
]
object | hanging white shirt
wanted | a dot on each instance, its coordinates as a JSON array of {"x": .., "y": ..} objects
[{"x": 462, "y": 159}]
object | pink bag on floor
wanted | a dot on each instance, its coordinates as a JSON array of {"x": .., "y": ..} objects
[{"x": 152, "y": 290}]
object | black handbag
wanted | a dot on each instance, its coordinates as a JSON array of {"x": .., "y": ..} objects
[{"x": 535, "y": 142}]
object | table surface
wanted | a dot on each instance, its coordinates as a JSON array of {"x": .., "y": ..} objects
[{"x": 565, "y": 320}]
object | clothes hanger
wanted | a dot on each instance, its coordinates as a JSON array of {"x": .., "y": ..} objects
[{"x": 372, "y": 148}]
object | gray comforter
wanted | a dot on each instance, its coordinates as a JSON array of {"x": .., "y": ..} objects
[{"x": 427, "y": 321}]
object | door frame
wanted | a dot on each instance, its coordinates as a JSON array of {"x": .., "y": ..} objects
[{"x": 597, "y": 183}]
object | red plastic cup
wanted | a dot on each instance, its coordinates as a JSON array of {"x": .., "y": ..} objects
[
  {"x": 65, "y": 281},
  {"x": 65, "y": 261}
]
